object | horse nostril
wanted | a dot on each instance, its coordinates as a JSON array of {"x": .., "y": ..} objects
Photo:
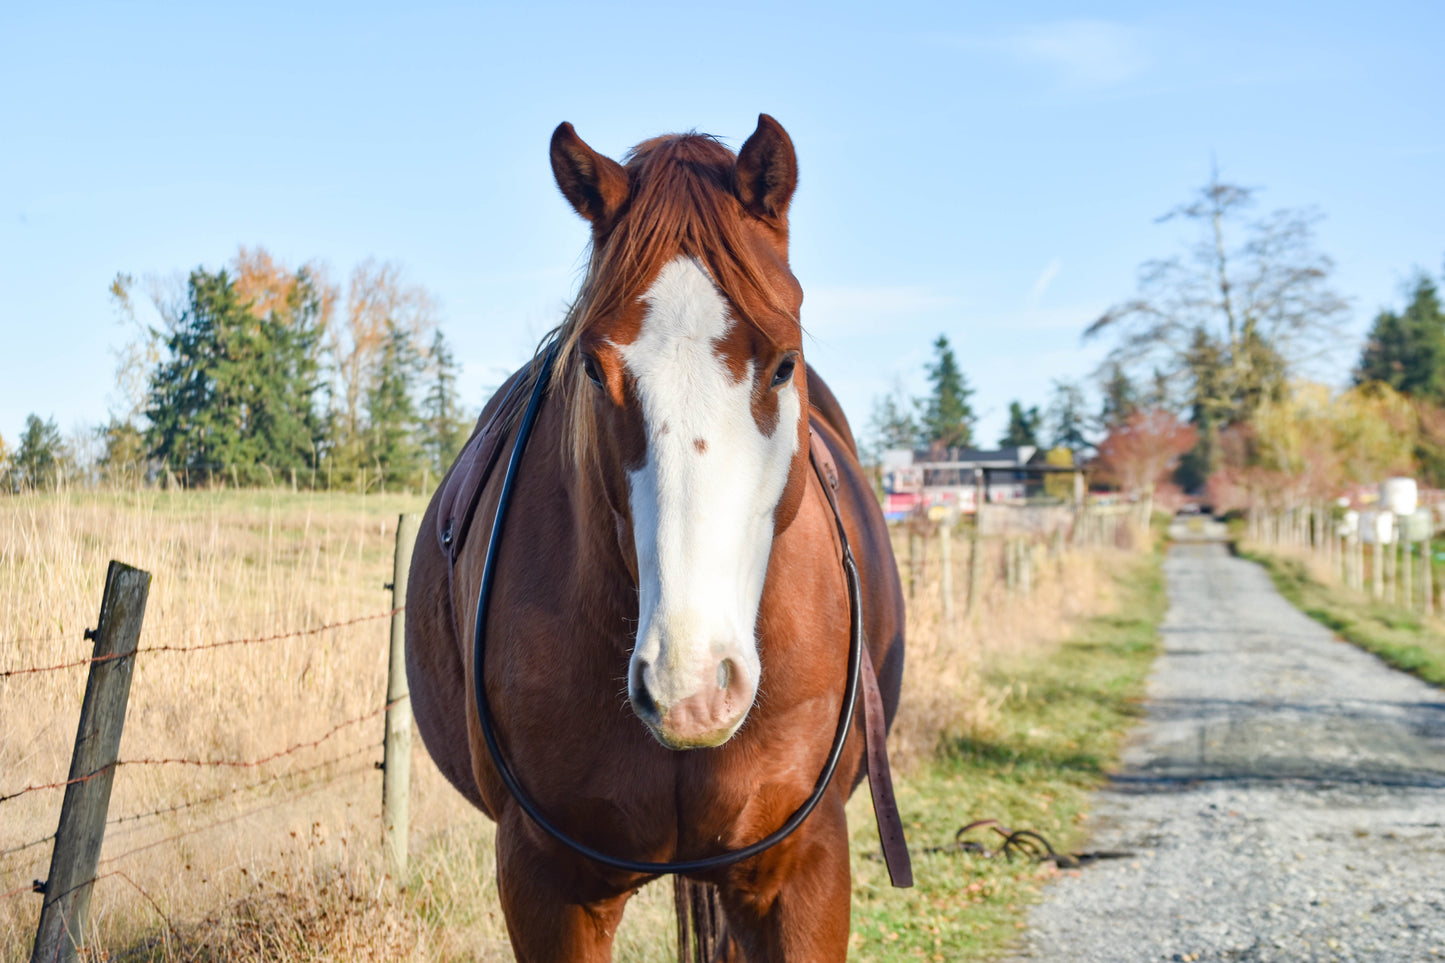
[
  {"x": 637, "y": 692},
  {"x": 724, "y": 673}
]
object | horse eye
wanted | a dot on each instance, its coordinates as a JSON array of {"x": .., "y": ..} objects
[
  {"x": 784, "y": 372},
  {"x": 589, "y": 368}
]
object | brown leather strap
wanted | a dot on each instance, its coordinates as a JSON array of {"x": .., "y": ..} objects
[
  {"x": 880, "y": 781},
  {"x": 462, "y": 489},
  {"x": 875, "y": 724}
]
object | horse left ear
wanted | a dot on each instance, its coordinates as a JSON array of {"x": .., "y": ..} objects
[
  {"x": 767, "y": 171},
  {"x": 595, "y": 185}
]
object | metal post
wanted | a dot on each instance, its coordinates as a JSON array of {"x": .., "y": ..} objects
[
  {"x": 78, "y": 838},
  {"x": 396, "y": 764}
]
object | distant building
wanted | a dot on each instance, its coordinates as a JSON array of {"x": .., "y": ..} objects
[{"x": 948, "y": 479}]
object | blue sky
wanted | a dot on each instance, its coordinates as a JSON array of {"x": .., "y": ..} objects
[{"x": 992, "y": 172}]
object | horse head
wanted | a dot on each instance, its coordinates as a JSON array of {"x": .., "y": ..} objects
[{"x": 682, "y": 362}]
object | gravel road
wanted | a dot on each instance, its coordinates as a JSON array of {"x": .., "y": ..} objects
[{"x": 1284, "y": 799}]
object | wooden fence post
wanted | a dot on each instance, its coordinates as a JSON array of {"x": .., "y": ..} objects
[
  {"x": 1359, "y": 546},
  {"x": 1377, "y": 570},
  {"x": 915, "y": 559},
  {"x": 396, "y": 758},
  {"x": 78, "y": 837},
  {"x": 1408, "y": 574},
  {"x": 1392, "y": 564},
  {"x": 1427, "y": 587},
  {"x": 945, "y": 562},
  {"x": 1026, "y": 567},
  {"x": 975, "y": 569}
]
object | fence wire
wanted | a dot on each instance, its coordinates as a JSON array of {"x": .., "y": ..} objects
[
  {"x": 235, "y": 790},
  {"x": 214, "y": 763},
  {"x": 275, "y": 804},
  {"x": 246, "y": 640}
]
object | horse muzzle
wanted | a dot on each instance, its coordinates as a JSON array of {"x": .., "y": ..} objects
[{"x": 692, "y": 710}]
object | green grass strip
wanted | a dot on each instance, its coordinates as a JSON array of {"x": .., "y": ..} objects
[
  {"x": 1403, "y": 639},
  {"x": 1060, "y": 732}
]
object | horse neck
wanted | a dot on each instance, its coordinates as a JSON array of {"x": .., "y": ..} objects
[{"x": 587, "y": 552}]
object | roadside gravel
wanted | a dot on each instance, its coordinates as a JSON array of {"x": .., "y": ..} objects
[{"x": 1284, "y": 799}]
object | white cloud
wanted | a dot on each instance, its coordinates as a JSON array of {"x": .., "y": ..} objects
[
  {"x": 1085, "y": 53},
  {"x": 1042, "y": 282},
  {"x": 1090, "y": 54}
]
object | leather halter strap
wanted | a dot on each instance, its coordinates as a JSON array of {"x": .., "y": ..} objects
[
  {"x": 875, "y": 723},
  {"x": 458, "y": 503}
]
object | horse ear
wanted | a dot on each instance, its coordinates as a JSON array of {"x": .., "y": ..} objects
[
  {"x": 594, "y": 184},
  {"x": 767, "y": 171}
]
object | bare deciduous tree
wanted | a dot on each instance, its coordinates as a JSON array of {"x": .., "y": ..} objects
[
  {"x": 376, "y": 295},
  {"x": 1238, "y": 315}
]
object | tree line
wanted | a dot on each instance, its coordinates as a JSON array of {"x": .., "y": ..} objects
[
  {"x": 256, "y": 373},
  {"x": 1212, "y": 384}
]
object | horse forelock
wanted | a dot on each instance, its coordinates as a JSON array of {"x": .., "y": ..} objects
[{"x": 681, "y": 204}]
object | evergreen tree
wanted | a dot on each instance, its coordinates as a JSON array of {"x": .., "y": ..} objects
[
  {"x": 445, "y": 426},
  {"x": 1023, "y": 427},
  {"x": 1066, "y": 418},
  {"x": 946, "y": 416},
  {"x": 390, "y": 411},
  {"x": 234, "y": 390},
  {"x": 39, "y": 461},
  {"x": 193, "y": 425},
  {"x": 1407, "y": 351},
  {"x": 1121, "y": 400},
  {"x": 284, "y": 424}
]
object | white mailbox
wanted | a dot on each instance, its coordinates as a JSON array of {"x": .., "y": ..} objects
[
  {"x": 1377, "y": 527},
  {"x": 1399, "y": 495}
]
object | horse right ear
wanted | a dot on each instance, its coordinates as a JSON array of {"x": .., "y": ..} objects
[{"x": 594, "y": 184}]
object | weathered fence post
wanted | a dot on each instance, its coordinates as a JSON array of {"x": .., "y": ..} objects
[
  {"x": 78, "y": 837},
  {"x": 1010, "y": 574},
  {"x": 1427, "y": 587},
  {"x": 1408, "y": 574},
  {"x": 975, "y": 568},
  {"x": 1359, "y": 546},
  {"x": 1377, "y": 569},
  {"x": 396, "y": 759},
  {"x": 915, "y": 559},
  {"x": 1026, "y": 567},
  {"x": 945, "y": 563},
  {"x": 1392, "y": 564}
]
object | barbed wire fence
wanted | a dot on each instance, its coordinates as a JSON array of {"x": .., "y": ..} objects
[{"x": 75, "y": 863}]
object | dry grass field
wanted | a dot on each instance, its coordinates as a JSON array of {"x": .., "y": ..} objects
[{"x": 279, "y": 859}]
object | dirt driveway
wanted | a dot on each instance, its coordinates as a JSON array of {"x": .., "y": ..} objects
[{"x": 1284, "y": 798}]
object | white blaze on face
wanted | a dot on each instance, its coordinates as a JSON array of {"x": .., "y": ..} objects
[{"x": 702, "y": 513}]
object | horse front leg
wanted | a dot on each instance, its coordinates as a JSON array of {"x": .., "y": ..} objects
[
  {"x": 792, "y": 903},
  {"x": 557, "y": 908}
]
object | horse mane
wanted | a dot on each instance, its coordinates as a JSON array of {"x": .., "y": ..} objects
[{"x": 681, "y": 204}]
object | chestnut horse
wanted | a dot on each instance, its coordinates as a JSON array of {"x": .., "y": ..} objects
[{"x": 667, "y": 641}]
